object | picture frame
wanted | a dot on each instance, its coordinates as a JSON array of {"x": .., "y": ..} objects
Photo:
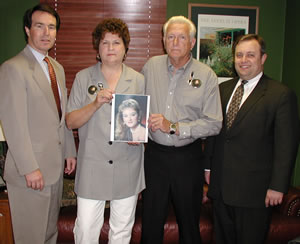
[
  {"x": 2, "y": 138},
  {"x": 129, "y": 118},
  {"x": 218, "y": 26}
]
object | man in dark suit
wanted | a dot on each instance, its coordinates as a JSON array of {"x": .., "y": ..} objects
[
  {"x": 253, "y": 156},
  {"x": 34, "y": 126}
]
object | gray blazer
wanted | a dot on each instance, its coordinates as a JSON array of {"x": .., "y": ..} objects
[
  {"x": 106, "y": 170},
  {"x": 36, "y": 138}
]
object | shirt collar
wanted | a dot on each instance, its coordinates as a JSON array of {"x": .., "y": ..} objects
[
  {"x": 171, "y": 66},
  {"x": 40, "y": 57},
  {"x": 253, "y": 80}
]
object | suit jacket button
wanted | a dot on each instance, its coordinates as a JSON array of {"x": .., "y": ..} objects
[
  {"x": 110, "y": 142},
  {"x": 110, "y": 161}
]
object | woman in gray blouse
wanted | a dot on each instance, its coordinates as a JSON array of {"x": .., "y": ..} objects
[{"x": 106, "y": 170}]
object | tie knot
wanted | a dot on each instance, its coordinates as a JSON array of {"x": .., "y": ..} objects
[
  {"x": 46, "y": 59},
  {"x": 244, "y": 82}
]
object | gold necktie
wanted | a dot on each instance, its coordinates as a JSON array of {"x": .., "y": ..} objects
[
  {"x": 54, "y": 85},
  {"x": 234, "y": 105}
]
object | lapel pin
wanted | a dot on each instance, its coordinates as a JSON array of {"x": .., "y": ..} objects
[
  {"x": 92, "y": 89},
  {"x": 196, "y": 83},
  {"x": 100, "y": 85}
]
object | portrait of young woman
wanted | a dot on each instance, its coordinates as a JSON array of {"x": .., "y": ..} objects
[{"x": 130, "y": 119}]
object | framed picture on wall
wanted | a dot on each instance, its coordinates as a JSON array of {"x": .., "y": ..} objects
[
  {"x": 129, "y": 118},
  {"x": 218, "y": 26}
]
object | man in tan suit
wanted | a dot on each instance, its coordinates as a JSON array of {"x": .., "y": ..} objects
[{"x": 37, "y": 137}]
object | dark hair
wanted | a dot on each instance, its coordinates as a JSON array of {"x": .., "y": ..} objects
[
  {"x": 27, "y": 19},
  {"x": 114, "y": 26},
  {"x": 250, "y": 37}
]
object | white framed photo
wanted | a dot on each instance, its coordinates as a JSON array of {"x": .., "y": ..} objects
[
  {"x": 129, "y": 118},
  {"x": 2, "y": 138}
]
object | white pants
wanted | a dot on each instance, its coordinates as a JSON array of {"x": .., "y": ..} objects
[{"x": 90, "y": 218}]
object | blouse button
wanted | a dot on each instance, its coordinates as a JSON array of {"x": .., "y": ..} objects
[{"x": 110, "y": 161}]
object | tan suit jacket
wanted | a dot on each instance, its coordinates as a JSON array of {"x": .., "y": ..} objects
[{"x": 36, "y": 138}]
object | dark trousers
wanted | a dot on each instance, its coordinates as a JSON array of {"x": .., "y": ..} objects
[
  {"x": 176, "y": 175},
  {"x": 240, "y": 225}
]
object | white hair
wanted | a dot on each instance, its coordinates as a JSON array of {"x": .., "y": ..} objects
[{"x": 181, "y": 20}]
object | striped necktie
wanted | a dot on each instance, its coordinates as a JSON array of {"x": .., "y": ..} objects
[{"x": 54, "y": 85}]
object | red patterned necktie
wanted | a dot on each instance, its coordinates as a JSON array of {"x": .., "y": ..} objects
[
  {"x": 54, "y": 85},
  {"x": 234, "y": 105}
]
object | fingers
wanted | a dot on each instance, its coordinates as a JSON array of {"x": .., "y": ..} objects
[
  {"x": 207, "y": 177},
  {"x": 133, "y": 143},
  {"x": 70, "y": 166},
  {"x": 273, "y": 198},
  {"x": 68, "y": 170},
  {"x": 104, "y": 96},
  {"x": 36, "y": 184},
  {"x": 156, "y": 117},
  {"x": 274, "y": 201},
  {"x": 35, "y": 180},
  {"x": 158, "y": 122},
  {"x": 267, "y": 202}
]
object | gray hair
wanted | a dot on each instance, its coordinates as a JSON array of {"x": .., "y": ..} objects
[{"x": 180, "y": 20}]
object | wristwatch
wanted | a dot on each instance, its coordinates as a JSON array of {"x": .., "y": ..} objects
[{"x": 172, "y": 128}]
